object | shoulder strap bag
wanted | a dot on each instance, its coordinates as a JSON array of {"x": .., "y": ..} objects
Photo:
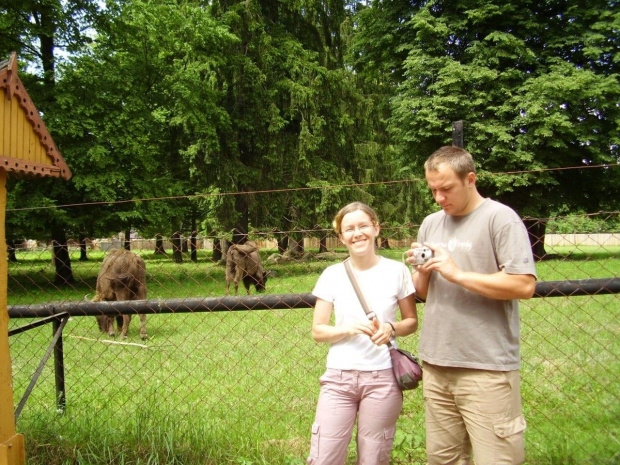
[{"x": 406, "y": 366}]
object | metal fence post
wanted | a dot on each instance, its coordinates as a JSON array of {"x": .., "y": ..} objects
[
  {"x": 457, "y": 133},
  {"x": 59, "y": 367}
]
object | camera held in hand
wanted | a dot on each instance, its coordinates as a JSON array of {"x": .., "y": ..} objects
[{"x": 421, "y": 255}]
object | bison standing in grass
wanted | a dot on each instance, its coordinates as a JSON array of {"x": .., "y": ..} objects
[
  {"x": 122, "y": 277},
  {"x": 243, "y": 264}
]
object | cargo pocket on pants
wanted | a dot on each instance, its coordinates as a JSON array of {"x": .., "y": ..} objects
[
  {"x": 508, "y": 428},
  {"x": 511, "y": 432},
  {"x": 314, "y": 443},
  {"x": 388, "y": 443}
]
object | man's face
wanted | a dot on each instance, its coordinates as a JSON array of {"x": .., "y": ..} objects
[{"x": 452, "y": 193}]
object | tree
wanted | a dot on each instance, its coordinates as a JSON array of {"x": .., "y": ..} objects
[
  {"x": 36, "y": 29},
  {"x": 152, "y": 67},
  {"x": 379, "y": 43},
  {"x": 289, "y": 112},
  {"x": 535, "y": 83},
  {"x": 173, "y": 100}
]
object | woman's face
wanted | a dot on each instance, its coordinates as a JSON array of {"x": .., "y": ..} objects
[{"x": 358, "y": 233}]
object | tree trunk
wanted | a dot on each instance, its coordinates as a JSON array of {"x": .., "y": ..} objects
[
  {"x": 127, "y": 240},
  {"x": 240, "y": 230},
  {"x": 193, "y": 248},
  {"x": 323, "y": 243},
  {"x": 11, "y": 248},
  {"x": 177, "y": 254},
  {"x": 224, "y": 245},
  {"x": 159, "y": 245},
  {"x": 536, "y": 230},
  {"x": 62, "y": 261},
  {"x": 217, "y": 250},
  {"x": 194, "y": 253},
  {"x": 385, "y": 243},
  {"x": 296, "y": 244},
  {"x": 184, "y": 245},
  {"x": 322, "y": 238},
  {"x": 288, "y": 221},
  {"x": 83, "y": 249},
  {"x": 282, "y": 242}
]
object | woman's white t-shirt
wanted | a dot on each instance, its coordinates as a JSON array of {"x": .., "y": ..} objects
[{"x": 382, "y": 285}]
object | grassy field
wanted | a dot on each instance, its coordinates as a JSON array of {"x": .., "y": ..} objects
[{"x": 241, "y": 387}]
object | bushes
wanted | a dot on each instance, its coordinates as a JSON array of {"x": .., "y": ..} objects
[{"x": 578, "y": 223}]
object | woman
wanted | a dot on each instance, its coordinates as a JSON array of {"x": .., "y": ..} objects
[{"x": 359, "y": 381}]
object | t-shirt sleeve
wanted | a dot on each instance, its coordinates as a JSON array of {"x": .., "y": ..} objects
[
  {"x": 324, "y": 287},
  {"x": 422, "y": 232},
  {"x": 513, "y": 249},
  {"x": 407, "y": 288}
]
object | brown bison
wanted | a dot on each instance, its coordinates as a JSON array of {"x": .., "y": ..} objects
[
  {"x": 243, "y": 264},
  {"x": 122, "y": 277}
]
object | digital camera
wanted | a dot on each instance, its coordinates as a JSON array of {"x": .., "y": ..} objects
[{"x": 421, "y": 255}]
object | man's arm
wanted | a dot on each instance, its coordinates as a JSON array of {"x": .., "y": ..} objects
[
  {"x": 420, "y": 282},
  {"x": 499, "y": 286}
]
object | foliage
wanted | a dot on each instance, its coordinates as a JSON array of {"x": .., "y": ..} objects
[
  {"x": 172, "y": 100},
  {"x": 187, "y": 102},
  {"x": 582, "y": 224},
  {"x": 38, "y": 29},
  {"x": 535, "y": 83},
  {"x": 378, "y": 41},
  {"x": 129, "y": 140},
  {"x": 292, "y": 111}
]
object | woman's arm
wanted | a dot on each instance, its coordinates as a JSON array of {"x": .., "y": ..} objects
[
  {"x": 407, "y": 325},
  {"x": 322, "y": 331},
  {"x": 409, "y": 316}
]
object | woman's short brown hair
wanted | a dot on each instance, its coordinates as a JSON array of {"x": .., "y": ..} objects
[{"x": 352, "y": 207}]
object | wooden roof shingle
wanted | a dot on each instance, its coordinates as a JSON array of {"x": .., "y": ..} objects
[{"x": 26, "y": 146}]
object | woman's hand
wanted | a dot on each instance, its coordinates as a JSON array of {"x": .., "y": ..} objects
[
  {"x": 323, "y": 331},
  {"x": 383, "y": 333},
  {"x": 368, "y": 327}
]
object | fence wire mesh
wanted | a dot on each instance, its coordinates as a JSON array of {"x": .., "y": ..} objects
[{"x": 211, "y": 387}]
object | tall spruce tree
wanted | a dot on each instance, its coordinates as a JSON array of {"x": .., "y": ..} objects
[{"x": 537, "y": 86}]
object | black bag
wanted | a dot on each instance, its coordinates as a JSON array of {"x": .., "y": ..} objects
[{"x": 407, "y": 369}]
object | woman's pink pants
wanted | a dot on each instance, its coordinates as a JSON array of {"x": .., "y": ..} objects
[{"x": 371, "y": 396}]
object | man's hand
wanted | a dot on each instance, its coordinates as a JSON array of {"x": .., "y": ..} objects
[
  {"x": 421, "y": 275},
  {"x": 442, "y": 263}
]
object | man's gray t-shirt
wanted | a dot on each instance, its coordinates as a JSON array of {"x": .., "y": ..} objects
[{"x": 462, "y": 328}]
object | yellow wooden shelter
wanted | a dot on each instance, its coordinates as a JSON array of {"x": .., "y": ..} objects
[{"x": 26, "y": 148}]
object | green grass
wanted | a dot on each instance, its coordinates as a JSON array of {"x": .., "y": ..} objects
[{"x": 241, "y": 387}]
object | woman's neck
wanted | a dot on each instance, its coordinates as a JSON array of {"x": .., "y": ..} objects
[{"x": 362, "y": 263}]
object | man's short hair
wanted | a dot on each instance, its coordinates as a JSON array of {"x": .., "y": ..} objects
[{"x": 460, "y": 160}]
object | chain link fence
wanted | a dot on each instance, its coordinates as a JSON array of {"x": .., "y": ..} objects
[{"x": 227, "y": 379}]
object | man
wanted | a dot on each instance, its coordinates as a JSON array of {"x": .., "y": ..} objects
[{"x": 482, "y": 263}]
